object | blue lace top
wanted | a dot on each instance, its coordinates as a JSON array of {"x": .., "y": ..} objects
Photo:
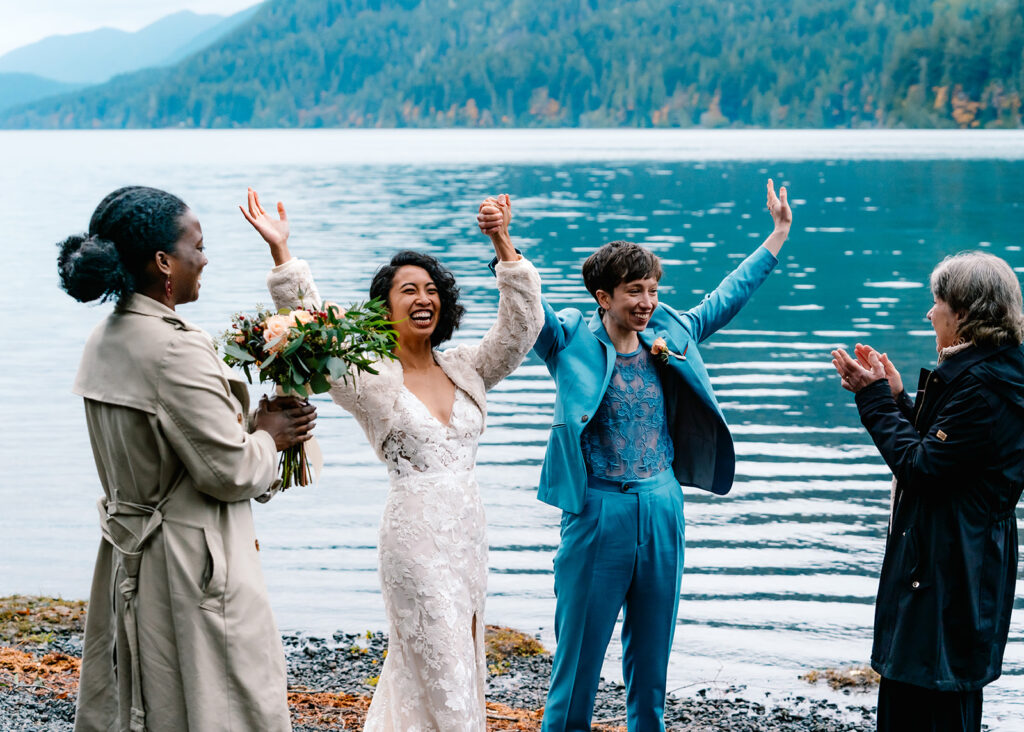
[{"x": 628, "y": 439}]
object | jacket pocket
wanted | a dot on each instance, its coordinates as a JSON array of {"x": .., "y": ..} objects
[
  {"x": 196, "y": 565},
  {"x": 215, "y": 577}
]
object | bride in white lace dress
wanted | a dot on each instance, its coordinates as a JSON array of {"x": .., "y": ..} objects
[{"x": 423, "y": 414}]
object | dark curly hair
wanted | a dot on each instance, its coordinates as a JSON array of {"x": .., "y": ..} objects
[
  {"x": 451, "y": 311},
  {"x": 126, "y": 230}
]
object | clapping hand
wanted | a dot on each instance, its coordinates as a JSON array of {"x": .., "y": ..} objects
[
  {"x": 863, "y": 354},
  {"x": 869, "y": 366},
  {"x": 274, "y": 231}
]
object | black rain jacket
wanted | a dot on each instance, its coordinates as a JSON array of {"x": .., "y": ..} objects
[{"x": 947, "y": 584}]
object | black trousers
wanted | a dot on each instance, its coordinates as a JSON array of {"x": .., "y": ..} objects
[{"x": 907, "y": 708}]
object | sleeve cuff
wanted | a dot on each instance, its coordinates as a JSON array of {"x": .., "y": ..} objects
[
  {"x": 520, "y": 263},
  {"x": 290, "y": 264},
  {"x": 873, "y": 394}
]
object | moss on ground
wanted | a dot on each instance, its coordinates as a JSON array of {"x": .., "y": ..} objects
[
  {"x": 502, "y": 644},
  {"x": 850, "y": 678},
  {"x": 25, "y": 619}
]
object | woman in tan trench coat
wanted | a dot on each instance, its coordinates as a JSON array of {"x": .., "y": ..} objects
[{"x": 179, "y": 634}]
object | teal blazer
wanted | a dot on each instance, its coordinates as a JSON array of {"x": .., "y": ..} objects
[{"x": 580, "y": 358}]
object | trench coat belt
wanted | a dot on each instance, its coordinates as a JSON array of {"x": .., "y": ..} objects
[{"x": 129, "y": 556}]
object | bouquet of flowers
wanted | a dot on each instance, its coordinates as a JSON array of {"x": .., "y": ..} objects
[{"x": 302, "y": 351}]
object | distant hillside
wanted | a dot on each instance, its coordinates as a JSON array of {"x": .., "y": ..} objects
[
  {"x": 803, "y": 63},
  {"x": 96, "y": 56},
  {"x": 18, "y": 89}
]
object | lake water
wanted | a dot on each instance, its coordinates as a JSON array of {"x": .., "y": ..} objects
[{"x": 781, "y": 574}]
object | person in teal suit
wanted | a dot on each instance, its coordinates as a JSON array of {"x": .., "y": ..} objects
[{"x": 635, "y": 417}]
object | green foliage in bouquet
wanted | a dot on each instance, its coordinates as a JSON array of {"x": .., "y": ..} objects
[{"x": 303, "y": 350}]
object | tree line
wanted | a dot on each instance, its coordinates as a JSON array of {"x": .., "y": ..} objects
[{"x": 590, "y": 63}]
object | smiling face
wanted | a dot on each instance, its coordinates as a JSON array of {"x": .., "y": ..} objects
[
  {"x": 630, "y": 305},
  {"x": 414, "y": 303},
  {"x": 946, "y": 324},
  {"x": 187, "y": 261}
]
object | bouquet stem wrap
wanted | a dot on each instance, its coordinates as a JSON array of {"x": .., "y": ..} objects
[{"x": 300, "y": 464}]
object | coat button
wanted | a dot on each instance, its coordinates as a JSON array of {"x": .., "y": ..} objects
[
  {"x": 584, "y": 418},
  {"x": 625, "y": 487},
  {"x": 239, "y": 416},
  {"x": 257, "y": 542},
  {"x": 915, "y": 584}
]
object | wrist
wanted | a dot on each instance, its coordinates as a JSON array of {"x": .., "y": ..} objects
[{"x": 280, "y": 253}]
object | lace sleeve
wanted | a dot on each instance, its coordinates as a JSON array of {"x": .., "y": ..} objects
[
  {"x": 520, "y": 317},
  {"x": 292, "y": 285}
]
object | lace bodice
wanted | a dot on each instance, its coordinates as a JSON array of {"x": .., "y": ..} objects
[
  {"x": 628, "y": 437},
  {"x": 422, "y": 445}
]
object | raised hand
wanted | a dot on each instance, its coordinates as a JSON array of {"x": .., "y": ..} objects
[
  {"x": 274, "y": 231},
  {"x": 863, "y": 354},
  {"x": 778, "y": 207},
  {"x": 493, "y": 217},
  {"x": 852, "y": 375}
]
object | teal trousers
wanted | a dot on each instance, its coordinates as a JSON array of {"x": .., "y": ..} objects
[{"x": 623, "y": 551}]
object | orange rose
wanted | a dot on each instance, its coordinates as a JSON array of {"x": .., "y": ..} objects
[
  {"x": 299, "y": 316},
  {"x": 276, "y": 327},
  {"x": 659, "y": 346}
]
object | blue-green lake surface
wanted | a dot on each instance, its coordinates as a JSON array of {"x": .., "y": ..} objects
[{"x": 781, "y": 573}]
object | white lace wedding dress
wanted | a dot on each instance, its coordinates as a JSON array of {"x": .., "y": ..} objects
[{"x": 432, "y": 546}]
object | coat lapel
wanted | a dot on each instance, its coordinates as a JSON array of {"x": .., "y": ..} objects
[{"x": 596, "y": 326}]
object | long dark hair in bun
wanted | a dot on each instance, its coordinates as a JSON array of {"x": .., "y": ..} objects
[{"x": 126, "y": 231}]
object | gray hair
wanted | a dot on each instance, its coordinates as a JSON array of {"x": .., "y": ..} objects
[{"x": 983, "y": 290}]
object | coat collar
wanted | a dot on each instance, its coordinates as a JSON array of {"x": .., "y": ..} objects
[
  {"x": 139, "y": 304},
  {"x": 596, "y": 326},
  {"x": 952, "y": 367}
]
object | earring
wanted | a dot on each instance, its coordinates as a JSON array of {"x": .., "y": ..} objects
[{"x": 167, "y": 287}]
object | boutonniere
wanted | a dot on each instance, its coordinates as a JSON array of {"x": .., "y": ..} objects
[{"x": 659, "y": 349}]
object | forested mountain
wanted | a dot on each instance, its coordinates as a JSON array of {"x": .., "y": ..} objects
[
  {"x": 21, "y": 88},
  {"x": 802, "y": 63}
]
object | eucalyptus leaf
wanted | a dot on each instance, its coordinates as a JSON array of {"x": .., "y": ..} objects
[
  {"x": 336, "y": 367},
  {"x": 235, "y": 351},
  {"x": 319, "y": 383}
]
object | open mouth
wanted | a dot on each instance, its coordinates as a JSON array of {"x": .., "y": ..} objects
[{"x": 421, "y": 317}]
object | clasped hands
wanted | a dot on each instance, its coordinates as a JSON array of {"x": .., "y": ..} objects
[{"x": 869, "y": 366}]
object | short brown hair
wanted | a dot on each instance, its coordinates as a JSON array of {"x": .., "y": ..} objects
[{"x": 617, "y": 262}]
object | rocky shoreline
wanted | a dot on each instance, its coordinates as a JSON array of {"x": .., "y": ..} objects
[{"x": 331, "y": 681}]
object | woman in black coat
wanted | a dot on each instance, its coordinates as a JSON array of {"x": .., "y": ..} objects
[{"x": 957, "y": 452}]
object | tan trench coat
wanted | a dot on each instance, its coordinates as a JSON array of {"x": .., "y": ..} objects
[{"x": 179, "y": 634}]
